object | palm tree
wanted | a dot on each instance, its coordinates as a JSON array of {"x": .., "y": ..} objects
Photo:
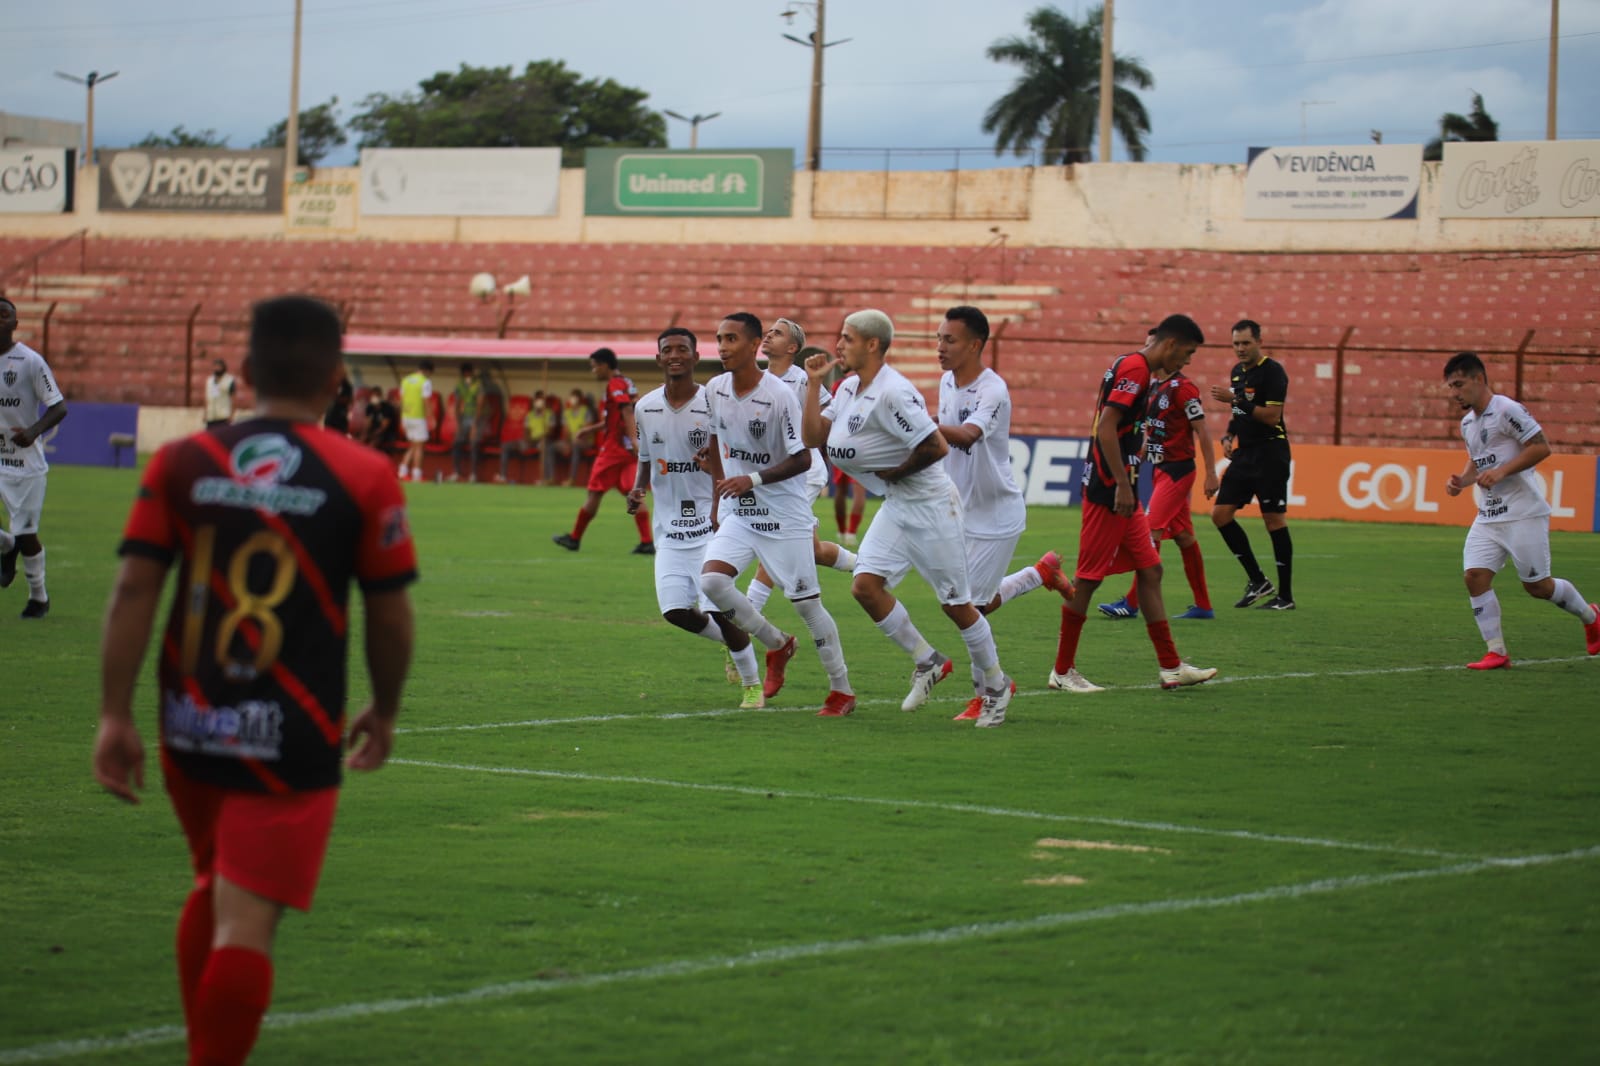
[
  {"x": 1474, "y": 126},
  {"x": 1056, "y": 99}
]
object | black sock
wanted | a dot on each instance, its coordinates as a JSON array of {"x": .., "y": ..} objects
[
  {"x": 1283, "y": 552},
  {"x": 1239, "y": 544}
]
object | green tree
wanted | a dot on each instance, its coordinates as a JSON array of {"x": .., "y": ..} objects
[
  {"x": 546, "y": 106},
  {"x": 182, "y": 138},
  {"x": 1476, "y": 125},
  {"x": 320, "y": 133},
  {"x": 1055, "y": 102}
]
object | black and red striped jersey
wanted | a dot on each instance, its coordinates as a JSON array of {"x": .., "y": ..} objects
[
  {"x": 1123, "y": 391},
  {"x": 270, "y": 521},
  {"x": 1170, "y": 413}
]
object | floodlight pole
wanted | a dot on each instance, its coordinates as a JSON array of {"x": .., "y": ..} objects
[
  {"x": 94, "y": 78},
  {"x": 694, "y": 124},
  {"x": 291, "y": 135},
  {"x": 1550, "y": 103},
  {"x": 1107, "y": 81}
]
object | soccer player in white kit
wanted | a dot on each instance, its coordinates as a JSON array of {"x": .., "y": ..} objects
[
  {"x": 780, "y": 344},
  {"x": 1504, "y": 444},
  {"x": 758, "y": 464},
  {"x": 673, "y": 424},
  {"x": 26, "y": 385},
  {"x": 975, "y": 420},
  {"x": 878, "y": 431}
]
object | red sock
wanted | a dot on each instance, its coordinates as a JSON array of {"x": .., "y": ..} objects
[
  {"x": 233, "y": 995},
  {"x": 584, "y": 518},
  {"x": 855, "y": 522},
  {"x": 196, "y": 926},
  {"x": 1067, "y": 644},
  {"x": 1161, "y": 637},
  {"x": 1194, "y": 568},
  {"x": 641, "y": 518}
]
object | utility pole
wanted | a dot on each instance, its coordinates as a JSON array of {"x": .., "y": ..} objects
[
  {"x": 1550, "y": 104},
  {"x": 694, "y": 125},
  {"x": 94, "y": 78},
  {"x": 1107, "y": 81},
  {"x": 817, "y": 43},
  {"x": 291, "y": 135}
]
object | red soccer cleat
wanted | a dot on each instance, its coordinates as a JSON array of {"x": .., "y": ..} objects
[
  {"x": 777, "y": 659},
  {"x": 975, "y": 706},
  {"x": 1049, "y": 567},
  {"x": 837, "y": 705},
  {"x": 1591, "y": 632},
  {"x": 1491, "y": 661}
]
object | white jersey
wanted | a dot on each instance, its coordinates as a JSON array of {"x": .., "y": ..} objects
[
  {"x": 26, "y": 389},
  {"x": 669, "y": 437},
  {"x": 982, "y": 472},
  {"x": 797, "y": 379},
  {"x": 1493, "y": 439},
  {"x": 877, "y": 428},
  {"x": 755, "y": 431}
]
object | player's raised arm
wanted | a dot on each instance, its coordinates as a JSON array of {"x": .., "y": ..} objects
[{"x": 813, "y": 425}]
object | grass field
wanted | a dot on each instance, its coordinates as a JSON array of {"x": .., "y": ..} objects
[{"x": 1346, "y": 850}]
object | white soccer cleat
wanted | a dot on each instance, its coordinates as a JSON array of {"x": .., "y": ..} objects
[
  {"x": 1184, "y": 674},
  {"x": 995, "y": 702},
  {"x": 923, "y": 680},
  {"x": 1072, "y": 681}
]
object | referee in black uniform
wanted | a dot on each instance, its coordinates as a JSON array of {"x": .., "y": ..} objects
[{"x": 1257, "y": 443}]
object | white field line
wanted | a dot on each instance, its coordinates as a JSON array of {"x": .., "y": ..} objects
[
  {"x": 723, "y": 712},
  {"x": 716, "y": 965},
  {"x": 933, "y": 805}
]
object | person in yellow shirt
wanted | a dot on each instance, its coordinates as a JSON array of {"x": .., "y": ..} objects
[{"x": 416, "y": 389}]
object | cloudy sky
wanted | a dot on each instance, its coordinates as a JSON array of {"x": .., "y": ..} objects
[{"x": 1229, "y": 73}]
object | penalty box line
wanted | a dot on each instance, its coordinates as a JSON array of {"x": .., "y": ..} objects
[
  {"x": 826, "y": 949},
  {"x": 724, "y": 712},
  {"x": 935, "y": 805}
]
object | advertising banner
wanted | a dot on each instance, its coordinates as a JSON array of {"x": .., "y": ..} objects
[
  {"x": 84, "y": 439},
  {"x": 1520, "y": 179},
  {"x": 324, "y": 204},
  {"x": 634, "y": 181},
  {"x": 1338, "y": 183},
  {"x": 209, "y": 180},
  {"x": 36, "y": 181},
  {"x": 1408, "y": 485},
  {"x": 459, "y": 182}
]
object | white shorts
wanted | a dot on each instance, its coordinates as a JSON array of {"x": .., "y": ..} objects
[
  {"x": 1525, "y": 541},
  {"x": 925, "y": 534},
  {"x": 24, "y": 500},
  {"x": 791, "y": 562},
  {"x": 416, "y": 430},
  {"x": 678, "y": 577},
  {"x": 988, "y": 561}
]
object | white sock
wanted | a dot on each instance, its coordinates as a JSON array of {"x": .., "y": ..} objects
[
  {"x": 1023, "y": 581},
  {"x": 7, "y": 541},
  {"x": 825, "y": 633},
  {"x": 898, "y": 627},
  {"x": 745, "y": 660},
  {"x": 33, "y": 570},
  {"x": 757, "y": 594},
  {"x": 980, "y": 645},
  {"x": 404, "y": 470},
  {"x": 720, "y": 590},
  {"x": 712, "y": 631},
  {"x": 1569, "y": 599},
  {"x": 1486, "y": 612},
  {"x": 846, "y": 560}
]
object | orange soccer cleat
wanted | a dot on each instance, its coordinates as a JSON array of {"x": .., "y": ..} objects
[
  {"x": 1491, "y": 661},
  {"x": 777, "y": 660},
  {"x": 837, "y": 705}
]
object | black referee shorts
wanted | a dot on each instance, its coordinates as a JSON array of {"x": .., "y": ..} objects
[{"x": 1259, "y": 473}]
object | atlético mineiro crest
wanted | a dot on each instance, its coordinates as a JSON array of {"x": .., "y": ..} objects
[
  {"x": 854, "y": 423},
  {"x": 758, "y": 428},
  {"x": 11, "y": 378},
  {"x": 699, "y": 438},
  {"x": 267, "y": 458},
  {"x": 963, "y": 414},
  {"x": 1483, "y": 436}
]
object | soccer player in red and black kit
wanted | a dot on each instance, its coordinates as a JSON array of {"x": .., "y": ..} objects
[
  {"x": 1175, "y": 421},
  {"x": 1115, "y": 537},
  {"x": 269, "y": 521},
  {"x": 1257, "y": 443},
  {"x": 617, "y": 460}
]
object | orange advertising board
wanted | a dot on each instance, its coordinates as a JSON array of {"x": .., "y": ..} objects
[{"x": 1408, "y": 485}]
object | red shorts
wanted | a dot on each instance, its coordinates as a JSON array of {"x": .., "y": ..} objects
[
  {"x": 272, "y": 845},
  {"x": 1110, "y": 544},
  {"x": 1169, "y": 505},
  {"x": 613, "y": 468},
  {"x": 842, "y": 479}
]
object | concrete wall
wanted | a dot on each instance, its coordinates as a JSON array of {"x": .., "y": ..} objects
[{"x": 1103, "y": 205}]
